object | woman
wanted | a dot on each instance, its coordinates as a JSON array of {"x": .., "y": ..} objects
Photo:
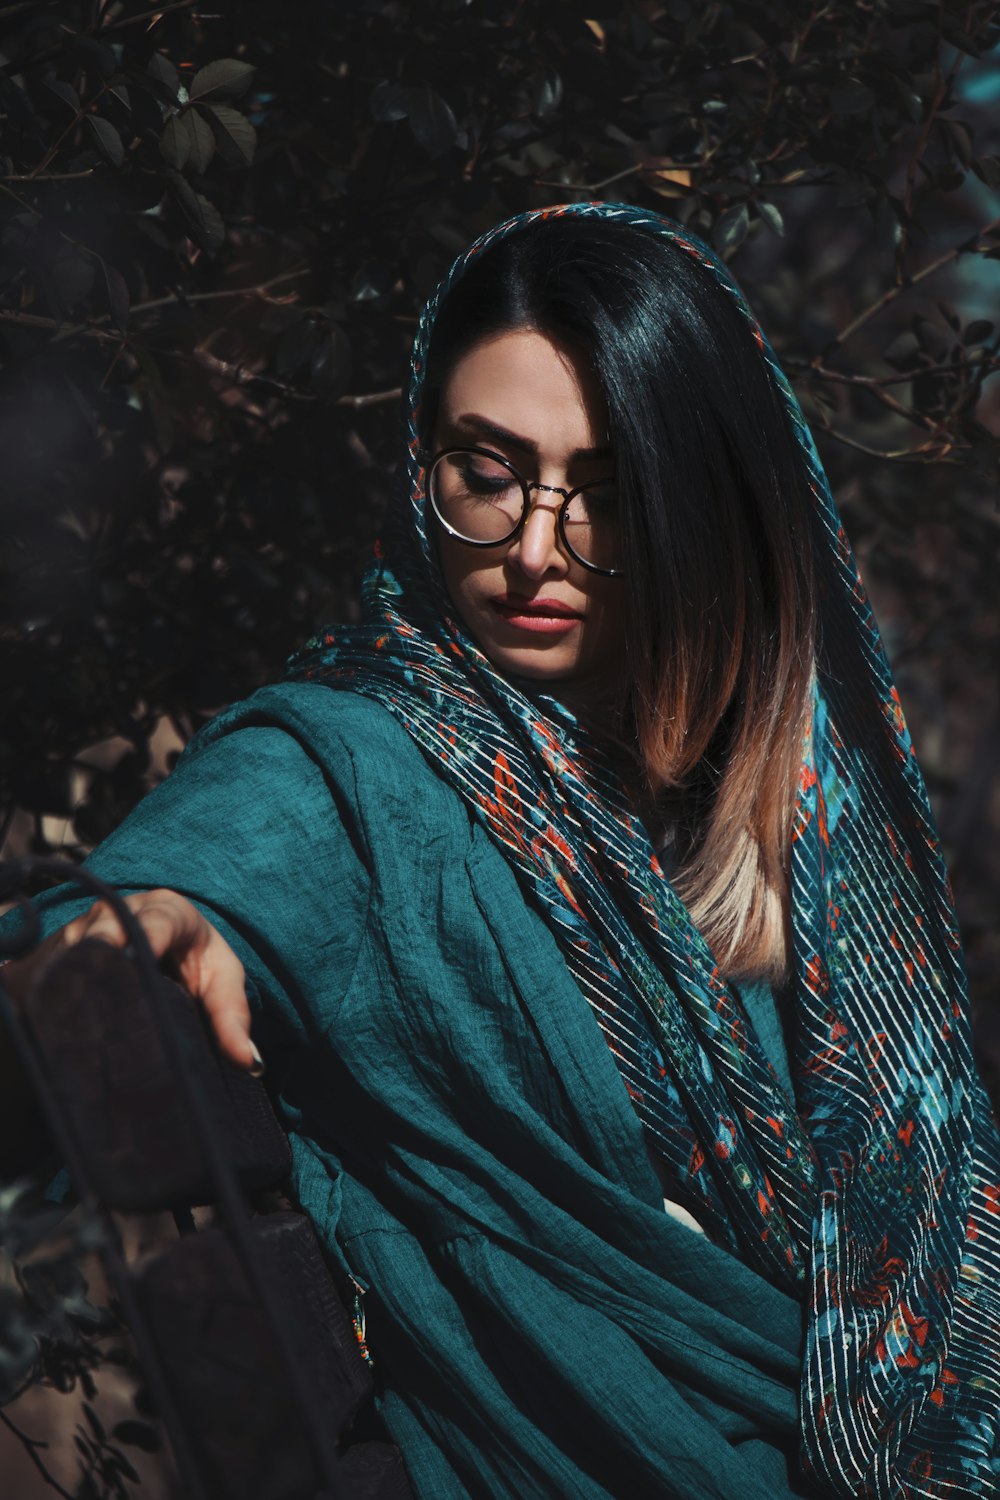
[{"x": 616, "y": 743}]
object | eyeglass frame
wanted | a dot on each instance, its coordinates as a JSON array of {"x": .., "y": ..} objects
[{"x": 526, "y": 487}]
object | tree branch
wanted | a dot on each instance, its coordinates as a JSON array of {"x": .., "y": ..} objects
[
  {"x": 31, "y": 1445},
  {"x": 897, "y": 455},
  {"x": 151, "y": 16},
  {"x": 982, "y": 367},
  {"x": 95, "y": 329},
  {"x": 592, "y": 187},
  {"x": 909, "y": 414},
  {"x": 233, "y": 291},
  {"x": 240, "y": 375},
  {"x": 63, "y": 330},
  {"x": 370, "y": 398},
  {"x": 48, "y": 176},
  {"x": 890, "y": 295},
  {"x": 940, "y": 94}
]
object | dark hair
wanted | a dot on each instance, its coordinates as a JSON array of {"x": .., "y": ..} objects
[{"x": 718, "y": 533}]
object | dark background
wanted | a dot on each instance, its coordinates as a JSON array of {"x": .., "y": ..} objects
[{"x": 219, "y": 220}]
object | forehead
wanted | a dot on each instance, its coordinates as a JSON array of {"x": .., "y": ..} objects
[{"x": 530, "y": 385}]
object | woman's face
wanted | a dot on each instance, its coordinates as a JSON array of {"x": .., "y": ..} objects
[{"x": 534, "y": 609}]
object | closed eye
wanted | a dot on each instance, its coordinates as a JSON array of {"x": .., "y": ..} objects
[{"x": 478, "y": 482}]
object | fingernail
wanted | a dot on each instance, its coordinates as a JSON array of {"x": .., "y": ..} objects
[{"x": 258, "y": 1062}]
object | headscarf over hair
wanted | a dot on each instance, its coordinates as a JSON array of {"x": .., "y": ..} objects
[{"x": 880, "y": 1200}]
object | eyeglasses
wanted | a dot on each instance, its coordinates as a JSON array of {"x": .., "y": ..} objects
[{"x": 482, "y": 500}]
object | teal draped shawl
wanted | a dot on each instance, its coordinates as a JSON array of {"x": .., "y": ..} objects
[{"x": 540, "y": 1328}]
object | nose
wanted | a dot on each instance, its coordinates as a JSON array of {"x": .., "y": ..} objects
[{"x": 537, "y": 550}]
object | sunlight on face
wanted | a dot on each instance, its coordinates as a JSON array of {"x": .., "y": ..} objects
[{"x": 533, "y": 608}]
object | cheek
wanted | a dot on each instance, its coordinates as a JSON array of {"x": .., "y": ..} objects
[
  {"x": 458, "y": 566},
  {"x": 468, "y": 576}
]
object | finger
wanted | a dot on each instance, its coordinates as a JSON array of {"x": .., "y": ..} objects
[
  {"x": 100, "y": 921},
  {"x": 168, "y": 921},
  {"x": 222, "y": 991}
]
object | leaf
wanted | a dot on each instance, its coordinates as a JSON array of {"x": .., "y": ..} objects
[
  {"x": 137, "y": 1435},
  {"x": 108, "y": 141},
  {"x": 389, "y": 102},
  {"x": 118, "y": 298},
  {"x": 948, "y": 178},
  {"x": 930, "y": 338},
  {"x": 64, "y": 92},
  {"x": 234, "y": 135},
  {"x": 163, "y": 73},
  {"x": 987, "y": 169},
  {"x": 202, "y": 140},
  {"x": 977, "y": 332},
  {"x": 177, "y": 140},
  {"x": 929, "y": 390},
  {"x": 771, "y": 216},
  {"x": 227, "y": 78},
  {"x": 20, "y": 233},
  {"x": 96, "y": 1425},
  {"x": 68, "y": 273},
  {"x": 903, "y": 351},
  {"x": 433, "y": 125},
  {"x": 886, "y": 215},
  {"x": 156, "y": 397},
  {"x": 730, "y": 229},
  {"x": 668, "y": 182},
  {"x": 15, "y": 103},
  {"x": 88, "y": 49},
  {"x": 961, "y": 139},
  {"x": 117, "y": 1460},
  {"x": 204, "y": 218},
  {"x": 546, "y": 93},
  {"x": 296, "y": 346},
  {"x": 852, "y": 98},
  {"x": 953, "y": 32},
  {"x": 120, "y": 92},
  {"x": 370, "y": 282}
]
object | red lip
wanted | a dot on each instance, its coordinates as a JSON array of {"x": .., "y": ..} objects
[{"x": 517, "y": 604}]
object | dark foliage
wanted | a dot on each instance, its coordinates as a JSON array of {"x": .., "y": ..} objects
[{"x": 216, "y": 231}]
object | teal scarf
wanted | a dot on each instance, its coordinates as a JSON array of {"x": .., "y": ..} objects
[{"x": 880, "y": 1198}]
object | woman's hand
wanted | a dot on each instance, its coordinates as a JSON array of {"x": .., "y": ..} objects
[{"x": 206, "y": 965}]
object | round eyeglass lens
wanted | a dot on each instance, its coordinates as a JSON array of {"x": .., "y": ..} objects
[
  {"x": 476, "y": 496},
  {"x": 592, "y": 529}
]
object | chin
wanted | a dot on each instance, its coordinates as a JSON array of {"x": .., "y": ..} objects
[{"x": 539, "y": 666}]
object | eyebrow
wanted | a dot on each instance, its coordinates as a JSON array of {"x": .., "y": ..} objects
[{"x": 472, "y": 422}]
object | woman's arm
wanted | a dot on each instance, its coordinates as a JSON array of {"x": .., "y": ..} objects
[{"x": 243, "y": 872}]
